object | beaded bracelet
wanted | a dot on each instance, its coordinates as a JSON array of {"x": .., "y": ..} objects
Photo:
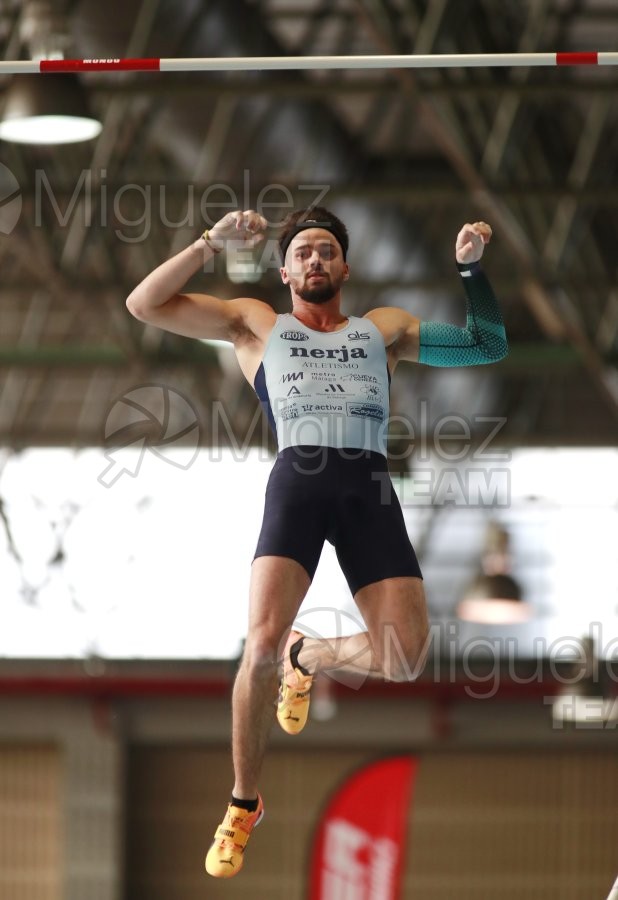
[{"x": 206, "y": 239}]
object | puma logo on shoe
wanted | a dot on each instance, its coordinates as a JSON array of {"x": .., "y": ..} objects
[
  {"x": 294, "y": 718},
  {"x": 231, "y": 837}
]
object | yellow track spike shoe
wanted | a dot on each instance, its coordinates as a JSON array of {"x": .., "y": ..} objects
[
  {"x": 294, "y": 692},
  {"x": 226, "y": 855}
]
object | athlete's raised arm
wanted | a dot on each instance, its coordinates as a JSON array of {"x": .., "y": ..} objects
[
  {"x": 159, "y": 300},
  {"x": 483, "y": 340}
]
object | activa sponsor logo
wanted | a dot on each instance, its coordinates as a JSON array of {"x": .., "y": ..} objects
[
  {"x": 341, "y": 353},
  {"x": 294, "y": 336},
  {"x": 359, "y": 335}
]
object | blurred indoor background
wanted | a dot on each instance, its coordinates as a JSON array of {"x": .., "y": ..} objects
[{"x": 133, "y": 461}]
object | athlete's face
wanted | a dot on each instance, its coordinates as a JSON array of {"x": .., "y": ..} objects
[{"x": 314, "y": 266}]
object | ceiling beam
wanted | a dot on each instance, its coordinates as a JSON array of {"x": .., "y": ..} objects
[
  {"x": 582, "y": 165},
  {"x": 558, "y": 321},
  {"x": 108, "y": 145},
  {"x": 510, "y": 101}
]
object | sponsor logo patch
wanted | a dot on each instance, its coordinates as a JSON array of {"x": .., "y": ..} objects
[
  {"x": 294, "y": 336},
  {"x": 290, "y": 412},
  {"x": 292, "y": 376},
  {"x": 365, "y": 410},
  {"x": 359, "y": 335},
  {"x": 355, "y": 377}
]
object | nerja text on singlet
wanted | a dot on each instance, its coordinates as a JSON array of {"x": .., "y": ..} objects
[{"x": 327, "y": 389}]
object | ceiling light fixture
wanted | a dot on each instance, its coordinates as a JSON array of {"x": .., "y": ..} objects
[
  {"x": 55, "y": 112},
  {"x": 495, "y": 597},
  {"x": 585, "y": 697}
]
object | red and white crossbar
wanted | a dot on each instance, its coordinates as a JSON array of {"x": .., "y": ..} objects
[{"x": 264, "y": 63}]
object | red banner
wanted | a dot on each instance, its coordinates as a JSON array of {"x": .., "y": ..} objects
[{"x": 359, "y": 847}]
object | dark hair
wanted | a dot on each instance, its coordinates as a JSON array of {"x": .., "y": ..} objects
[{"x": 313, "y": 217}]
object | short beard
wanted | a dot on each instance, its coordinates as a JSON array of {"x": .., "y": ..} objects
[{"x": 318, "y": 295}]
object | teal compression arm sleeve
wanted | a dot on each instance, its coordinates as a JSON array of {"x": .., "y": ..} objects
[{"x": 483, "y": 340}]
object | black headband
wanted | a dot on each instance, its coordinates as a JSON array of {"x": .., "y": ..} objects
[{"x": 313, "y": 223}]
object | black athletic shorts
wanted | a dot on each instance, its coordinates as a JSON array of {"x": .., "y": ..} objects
[{"x": 343, "y": 496}]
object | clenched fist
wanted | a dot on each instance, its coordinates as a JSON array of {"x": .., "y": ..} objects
[
  {"x": 246, "y": 229},
  {"x": 471, "y": 242}
]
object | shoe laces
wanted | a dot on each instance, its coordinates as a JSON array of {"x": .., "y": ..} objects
[{"x": 302, "y": 685}]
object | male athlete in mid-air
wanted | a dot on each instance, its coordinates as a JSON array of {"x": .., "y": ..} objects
[{"x": 330, "y": 478}]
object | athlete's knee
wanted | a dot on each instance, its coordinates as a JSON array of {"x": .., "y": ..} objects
[
  {"x": 260, "y": 655},
  {"x": 405, "y": 668},
  {"x": 403, "y": 657}
]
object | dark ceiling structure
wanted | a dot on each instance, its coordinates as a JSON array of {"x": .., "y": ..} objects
[{"x": 404, "y": 157}]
